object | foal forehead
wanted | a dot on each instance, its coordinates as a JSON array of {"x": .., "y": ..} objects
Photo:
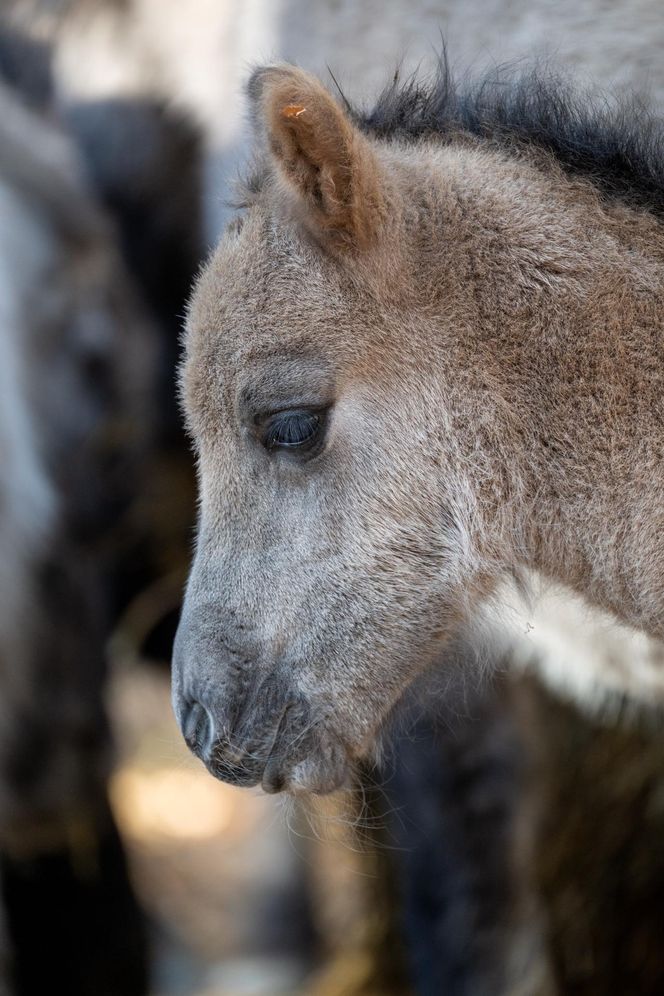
[
  {"x": 265, "y": 289},
  {"x": 261, "y": 324}
]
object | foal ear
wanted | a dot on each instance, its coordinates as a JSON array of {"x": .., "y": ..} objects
[{"x": 319, "y": 152}]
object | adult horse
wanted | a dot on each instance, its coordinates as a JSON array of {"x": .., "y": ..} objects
[
  {"x": 77, "y": 359},
  {"x": 436, "y": 362}
]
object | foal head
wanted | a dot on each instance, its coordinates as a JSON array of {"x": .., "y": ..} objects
[{"x": 350, "y": 352}]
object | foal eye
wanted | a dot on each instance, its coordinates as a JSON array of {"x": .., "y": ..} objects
[{"x": 293, "y": 430}]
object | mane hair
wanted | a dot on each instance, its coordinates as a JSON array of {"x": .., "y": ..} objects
[{"x": 617, "y": 143}]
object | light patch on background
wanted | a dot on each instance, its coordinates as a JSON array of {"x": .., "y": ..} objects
[{"x": 186, "y": 805}]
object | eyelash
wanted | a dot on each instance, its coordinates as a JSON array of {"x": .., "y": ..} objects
[{"x": 299, "y": 430}]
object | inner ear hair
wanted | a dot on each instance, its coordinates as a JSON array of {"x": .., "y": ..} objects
[{"x": 321, "y": 155}]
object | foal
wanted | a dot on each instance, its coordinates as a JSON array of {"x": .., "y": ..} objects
[{"x": 426, "y": 357}]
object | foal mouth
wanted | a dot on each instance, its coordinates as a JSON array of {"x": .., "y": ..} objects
[
  {"x": 286, "y": 759},
  {"x": 271, "y": 736},
  {"x": 249, "y": 760}
]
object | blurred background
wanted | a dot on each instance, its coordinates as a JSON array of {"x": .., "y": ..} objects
[{"x": 510, "y": 843}]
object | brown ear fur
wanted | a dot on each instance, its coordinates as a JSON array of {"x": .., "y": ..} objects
[{"x": 322, "y": 156}]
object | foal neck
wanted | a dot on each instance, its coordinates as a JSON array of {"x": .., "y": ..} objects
[{"x": 566, "y": 306}]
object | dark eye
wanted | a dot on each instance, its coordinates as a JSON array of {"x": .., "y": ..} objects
[{"x": 293, "y": 430}]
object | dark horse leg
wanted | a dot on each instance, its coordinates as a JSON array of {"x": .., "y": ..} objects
[{"x": 454, "y": 781}]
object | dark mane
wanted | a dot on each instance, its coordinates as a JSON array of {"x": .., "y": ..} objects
[{"x": 618, "y": 144}]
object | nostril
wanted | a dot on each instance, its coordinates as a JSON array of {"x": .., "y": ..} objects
[{"x": 197, "y": 728}]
